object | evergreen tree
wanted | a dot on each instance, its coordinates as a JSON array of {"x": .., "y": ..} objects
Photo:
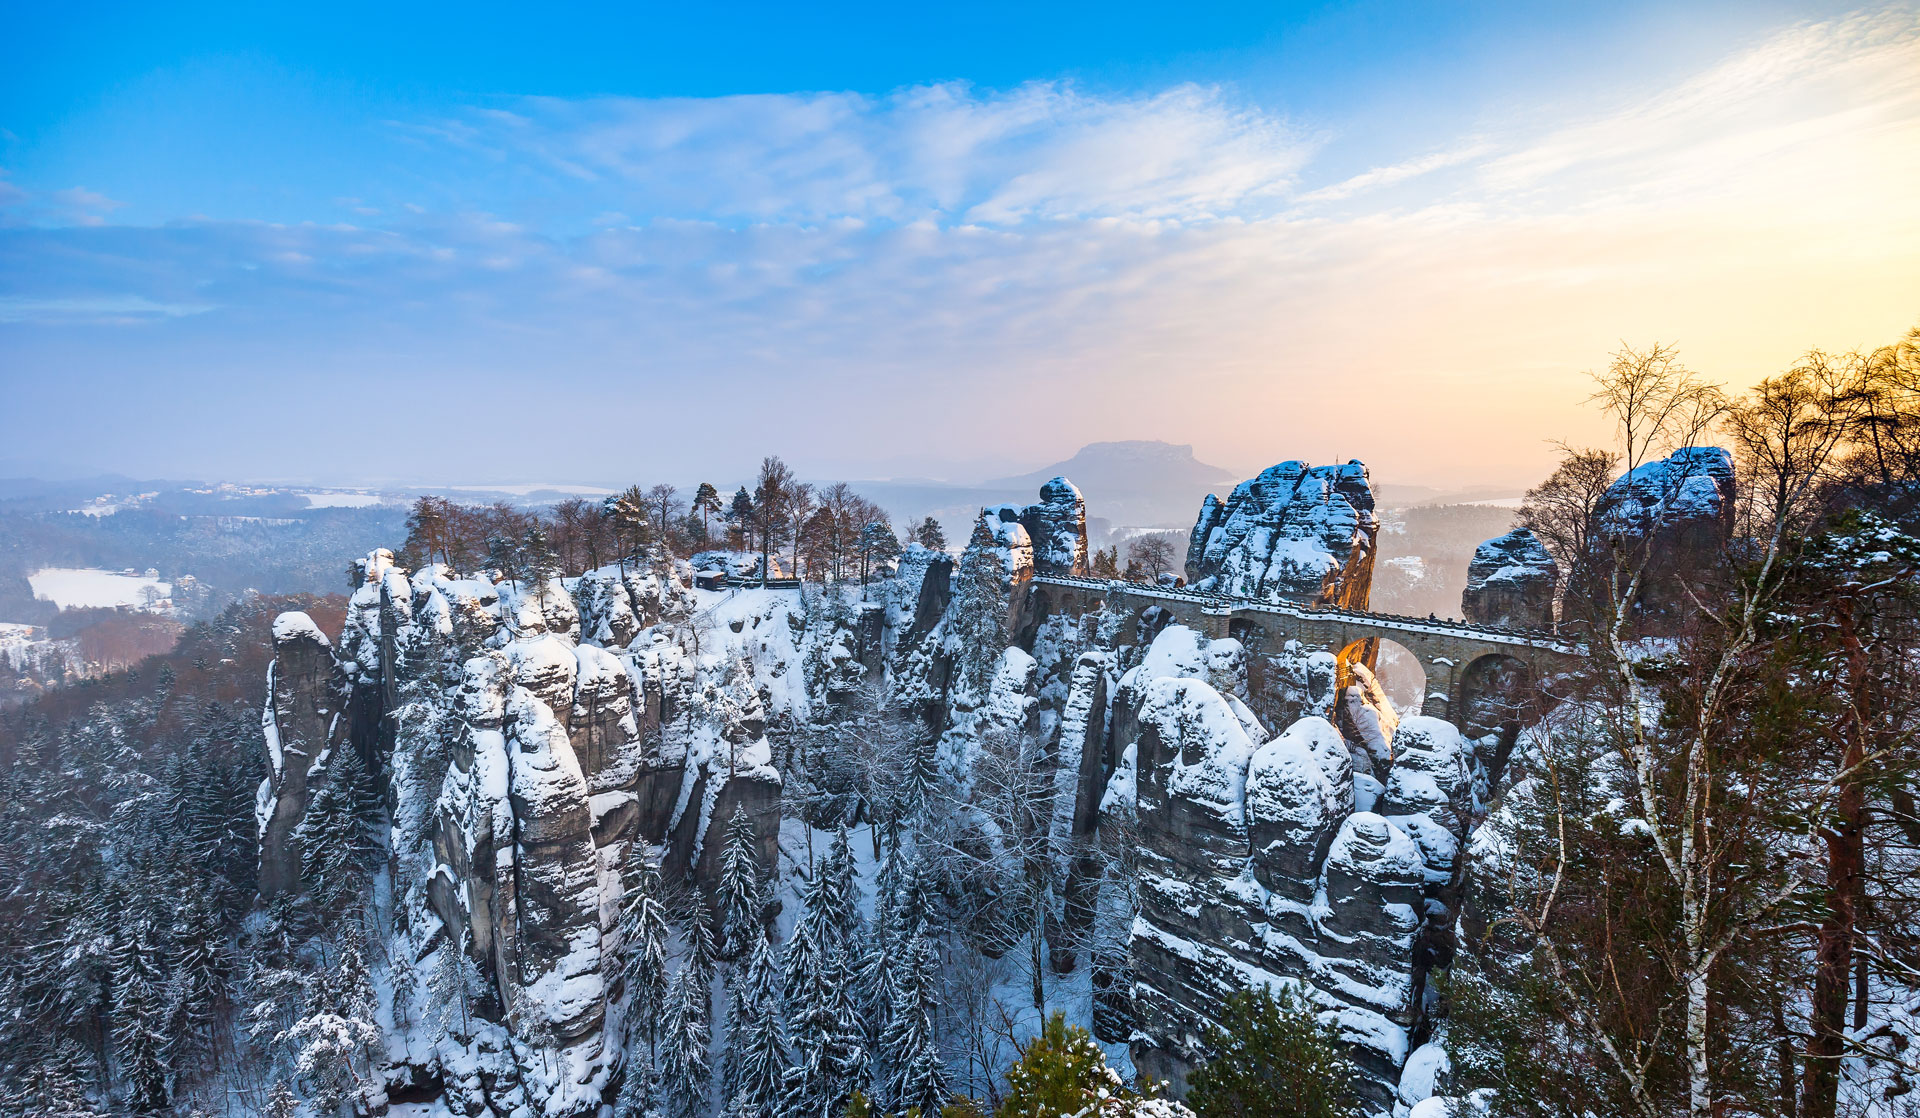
[
  {"x": 1062, "y": 1073},
  {"x": 706, "y": 501},
  {"x": 740, "y": 516},
  {"x": 756, "y": 1036},
  {"x": 739, "y": 883},
  {"x": 538, "y": 556},
  {"x": 503, "y": 557},
  {"x": 52, "y": 1084},
  {"x": 922, "y": 782},
  {"x": 200, "y": 969},
  {"x": 404, "y": 977},
  {"x": 139, "y": 1018},
  {"x": 639, "y": 1086},
  {"x": 452, "y": 988},
  {"x": 644, "y": 939},
  {"x": 847, "y": 1055},
  {"x": 876, "y": 545},
  {"x": 336, "y": 1041},
  {"x": 913, "y": 908},
  {"x": 814, "y": 1084},
  {"x": 918, "y": 1075},
  {"x": 874, "y": 987},
  {"x": 280, "y": 1102},
  {"x": 872, "y": 997},
  {"x": 1272, "y": 1058},
  {"x": 838, "y": 897},
  {"x": 803, "y": 960},
  {"x": 930, "y": 536},
  {"x": 684, "y": 1070},
  {"x": 336, "y": 844},
  {"x": 702, "y": 957},
  {"x": 627, "y": 511}
]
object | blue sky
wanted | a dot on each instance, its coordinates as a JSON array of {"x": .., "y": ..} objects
[{"x": 591, "y": 244}]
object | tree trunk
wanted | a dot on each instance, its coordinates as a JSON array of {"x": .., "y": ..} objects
[
  {"x": 1783, "y": 1056},
  {"x": 1699, "y": 1077},
  {"x": 1846, "y": 874}
]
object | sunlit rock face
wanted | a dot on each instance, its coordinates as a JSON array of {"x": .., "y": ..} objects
[
  {"x": 1294, "y": 533},
  {"x": 1511, "y": 582},
  {"x": 1671, "y": 518}
]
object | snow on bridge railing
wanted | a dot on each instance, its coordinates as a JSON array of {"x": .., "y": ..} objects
[{"x": 1536, "y": 638}]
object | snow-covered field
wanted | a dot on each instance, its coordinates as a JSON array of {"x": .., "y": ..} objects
[
  {"x": 341, "y": 500},
  {"x": 78, "y": 587}
]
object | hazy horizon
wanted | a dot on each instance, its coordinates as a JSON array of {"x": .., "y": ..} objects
[{"x": 57, "y": 473}]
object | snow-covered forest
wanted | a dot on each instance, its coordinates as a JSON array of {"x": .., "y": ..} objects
[{"x": 759, "y": 805}]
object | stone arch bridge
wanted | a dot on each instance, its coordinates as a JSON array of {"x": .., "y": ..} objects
[{"x": 1460, "y": 659}]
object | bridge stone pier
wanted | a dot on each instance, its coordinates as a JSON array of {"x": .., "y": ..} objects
[{"x": 1461, "y": 660}]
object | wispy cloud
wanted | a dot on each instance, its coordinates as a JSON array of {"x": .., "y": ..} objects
[
  {"x": 1814, "y": 81},
  {"x": 1395, "y": 173},
  {"x": 69, "y": 206},
  {"x": 948, "y": 269},
  {"x": 97, "y": 310},
  {"x": 948, "y": 153}
]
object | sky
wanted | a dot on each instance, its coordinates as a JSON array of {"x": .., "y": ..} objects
[{"x": 593, "y": 244}]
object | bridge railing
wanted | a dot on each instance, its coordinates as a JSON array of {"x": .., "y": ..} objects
[{"x": 1533, "y": 637}]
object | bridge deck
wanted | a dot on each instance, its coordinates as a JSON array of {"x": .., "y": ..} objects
[{"x": 1386, "y": 622}]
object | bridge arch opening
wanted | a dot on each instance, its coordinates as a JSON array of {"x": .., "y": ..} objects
[
  {"x": 1495, "y": 700},
  {"x": 1149, "y": 621},
  {"x": 1399, "y": 674},
  {"x": 1039, "y": 609},
  {"x": 1251, "y": 634}
]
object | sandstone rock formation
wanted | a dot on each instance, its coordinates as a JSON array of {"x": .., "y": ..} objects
[
  {"x": 1210, "y": 813},
  {"x": 1511, "y": 581},
  {"x": 1254, "y": 865},
  {"x": 1294, "y": 533},
  {"x": 1672, "y": 518},
  {"x": 303, "y": 722},
  {"x": 534, "y": 735},
  {"x": 1058, "y": 528}
]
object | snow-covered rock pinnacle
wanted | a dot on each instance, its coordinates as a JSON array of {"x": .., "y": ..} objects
[
  {"x": 1294, "y": 533},
  {"x": 1511, "y": 581}
]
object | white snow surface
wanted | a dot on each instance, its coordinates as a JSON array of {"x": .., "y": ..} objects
[
  {"x": 1212, "y": 747},
  {"x": 89, "y": 587},
  {"x": 340, "y": 500},
  {"x": 295, "y": 624}
]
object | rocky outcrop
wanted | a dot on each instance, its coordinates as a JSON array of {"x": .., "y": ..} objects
[
  {"x": 1255, "y": 867},
  {"x": 1058, "y": 528},
  {"x": 1511, "y": 581},
  {"x": 553, "y": 887},
  {"x": 1671, "y": 518},
  {"x": 536, "y": 739},
  {"x": 1299, "y": 789},
  {"x": 303, "y": 722},
  {"x": 1294, "y": 533}
]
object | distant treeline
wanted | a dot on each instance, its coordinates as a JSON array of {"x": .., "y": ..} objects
[{"x": 227, "y": 554}]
